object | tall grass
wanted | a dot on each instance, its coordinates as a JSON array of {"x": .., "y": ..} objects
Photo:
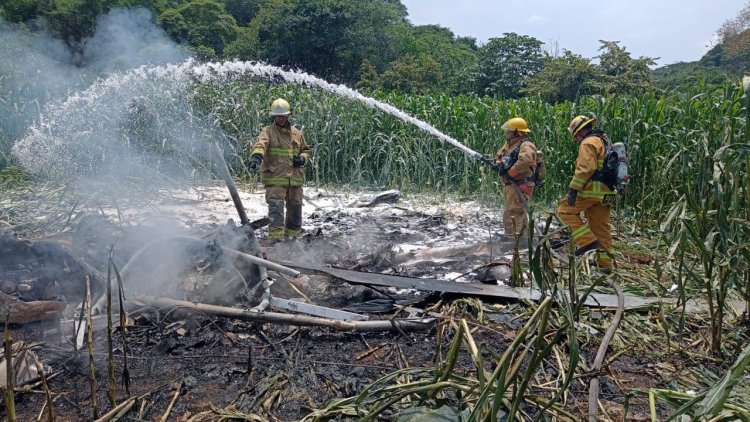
[
  {"x": 360, "y": 146},
  {"x": 689, "y": 160}
]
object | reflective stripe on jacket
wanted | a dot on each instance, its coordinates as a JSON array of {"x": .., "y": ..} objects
[
  {"x": 591, "y": 153},
  {"x": 278, "y": 145}
]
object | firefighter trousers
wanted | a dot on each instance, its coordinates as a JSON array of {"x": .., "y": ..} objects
[
  {"x": 514, "y": 214},
  {"x": 284, "y": 225},
  {"x": 595, "y": 227}
]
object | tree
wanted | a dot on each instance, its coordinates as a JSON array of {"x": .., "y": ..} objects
[
  {"x": 624, "y": 75},
  {"x": 369, "y": 80},
  {"x": 456, "y": 56},
  {"x": 21, "y": 11},
  {"x": 735, "y": 41},
  {"x": 415, "y": 75},
  {"x": 74, "y": 20},
  {"x": 329, "y": 38},
  {"x": 684, "y": 76},
  {"x": 713, "y": 56},
  {"x": 174, "y": 24},
  {"x": 565, "y": 78},
  {"x": 244, "y": 47},
  {"x": 506, "y": 64},
  {"x": 243, "y": 11},
  {"x": 202, "y": 24}
]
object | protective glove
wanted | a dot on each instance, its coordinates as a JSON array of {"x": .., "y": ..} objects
[
  {"x": 503, "y": 166},
  {"x": 298, "y": 161},
  {"x": 572, "y": 193},
  {"x": 609, "y": 200},
  {"x": 255, "y": 161}
]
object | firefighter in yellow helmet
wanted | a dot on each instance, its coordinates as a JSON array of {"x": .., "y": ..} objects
[
  {"x": 588, "y": 194},
  {"x": 281, "y": 154},
  {"x": 516, "y": 161}
]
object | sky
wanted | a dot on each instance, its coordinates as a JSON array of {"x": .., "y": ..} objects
[{"x": 673, "y": 30}]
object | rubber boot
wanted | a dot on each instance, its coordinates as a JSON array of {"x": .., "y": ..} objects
[
  {"x": 293, "y": 219},
  {"x": 276, "y": 215},
  {"x": 590, "y": 247}
]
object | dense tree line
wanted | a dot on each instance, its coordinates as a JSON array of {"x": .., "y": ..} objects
[{"x": 371, "y": 45}]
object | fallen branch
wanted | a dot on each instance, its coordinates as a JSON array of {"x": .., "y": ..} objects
[
  {"x": 171, "y": 404},
  {"x": 118, "y": 411},
  {"x": 287, "y": 319},
  {"x": 260, "y": 261},
  {"x": 25, "y": 312}
]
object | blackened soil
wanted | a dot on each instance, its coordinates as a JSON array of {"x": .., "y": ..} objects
[{"x": 278, "y": 372}]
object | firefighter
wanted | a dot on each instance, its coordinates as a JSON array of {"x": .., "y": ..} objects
[
  {"x": 281, "y": 154},
  {"x": 516, "y": 161},
  {"x": 589, "y": 195}
]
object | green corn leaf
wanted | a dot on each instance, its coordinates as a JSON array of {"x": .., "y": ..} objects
[{"x": 717, "y": 396}]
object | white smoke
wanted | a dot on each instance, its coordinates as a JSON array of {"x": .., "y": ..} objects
[{"x": 39, "y": 69}]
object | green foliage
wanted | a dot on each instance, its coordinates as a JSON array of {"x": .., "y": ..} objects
[
  {"x": 244, "y": 47},
  {"x": 623, "y": 74},
  {"x": 174, "y": 24},
  {"x": 569, "y": 76},
  {"x": 21, "y": 10},
  {"x": 456, "y": 57},
  {"x": 369, "y": 80},
  {"x": 683, "y": 76},
  {"x": 713, "y": 56},
  {"x": 329, "y": 38},
  {"x": 565, "y": 78},
  {"x": 203, "y": 24},
  {"x": 708, "y": 215},
  {"x": 243, "y": 11},
  {"x": 414, "y": 75},
  {"x": 74, "y": 20},
  {"x": 506, "y": 64}
]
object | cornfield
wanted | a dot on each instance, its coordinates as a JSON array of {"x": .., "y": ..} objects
[
  {"x": 689, "y": 161},
  {"x": 358, "y": 146}
]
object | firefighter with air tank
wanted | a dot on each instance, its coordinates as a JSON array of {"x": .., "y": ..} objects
[
  {"x": 589, "y": 192},
  {"x": 281, "y": 154}
]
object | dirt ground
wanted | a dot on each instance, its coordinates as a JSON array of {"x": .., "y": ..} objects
[{"x": 191, "y": 362}]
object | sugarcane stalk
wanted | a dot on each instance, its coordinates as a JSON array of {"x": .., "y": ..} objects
[
  {"x": 118, "y": 411},
  {"x": 171, "y": 404},
  {"x": 123, "y": 329},
  {"x": 599, "y": 359},
  {"x": 280, "y": 318},
  {"x": 10, "y": 400},
  {"x": 90, "y": 344},
  {"x": 111, "y": 391},
  {"x": 47, "y": 392}
]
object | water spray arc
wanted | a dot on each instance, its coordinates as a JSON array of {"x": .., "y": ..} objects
[
  {"x": 60, "y": 128},
  {"x": 210, "y": 71},
  {"x": 52, "y": 138}
]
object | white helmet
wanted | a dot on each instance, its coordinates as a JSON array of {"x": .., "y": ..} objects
[{"x": 280, "y": 107}]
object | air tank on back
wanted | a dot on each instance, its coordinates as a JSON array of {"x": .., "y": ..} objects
[{"x": 622, "y": 167}]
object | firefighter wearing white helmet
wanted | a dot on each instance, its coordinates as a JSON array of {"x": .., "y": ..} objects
[
  {"x": 516, "y": 161},
  {"x": 587, "y": 194},
  {"x": 280, "y": 153}
]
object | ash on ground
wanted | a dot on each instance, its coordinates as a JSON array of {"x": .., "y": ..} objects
[{"x": 173, "y": 248}]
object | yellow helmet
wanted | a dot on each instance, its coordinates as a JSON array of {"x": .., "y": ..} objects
[
  {"x": 280, "y": 107},
  {"x": 516, "y": 123},
  {"x": 578, "y": 123}
]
